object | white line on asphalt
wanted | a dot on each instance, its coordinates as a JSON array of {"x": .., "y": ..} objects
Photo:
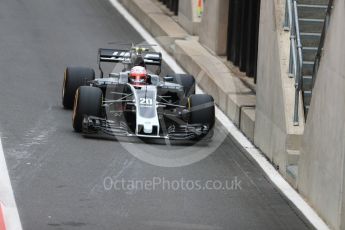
[
  {"x": 267, "y": 167},
  {"x": 2, "y": 218},
  {"x": 10, "y": 210}
]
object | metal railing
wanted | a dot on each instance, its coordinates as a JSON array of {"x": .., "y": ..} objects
[
  {"x": 322, "y": 42},
  {"x": 296, "y": 57}
]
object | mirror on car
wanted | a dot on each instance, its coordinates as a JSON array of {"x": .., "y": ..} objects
[
  {"x": 114, "y": 75},
  {"x": 168, "y": 78}
]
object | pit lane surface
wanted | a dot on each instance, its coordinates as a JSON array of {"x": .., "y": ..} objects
[{"x": 61, "y": 180}]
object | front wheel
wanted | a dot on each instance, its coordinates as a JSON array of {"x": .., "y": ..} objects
[{"x": 87, "y": 101}]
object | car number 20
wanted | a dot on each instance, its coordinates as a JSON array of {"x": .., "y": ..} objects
[{"x": 146, "y": 101}]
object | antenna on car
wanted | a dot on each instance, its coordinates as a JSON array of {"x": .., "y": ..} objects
[
  {"x": 145, "y": 44},
  {"x": 131, "y": 44},
  {"x": 120, "y": 43}
]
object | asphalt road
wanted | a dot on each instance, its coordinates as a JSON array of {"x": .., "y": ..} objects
[{"x": 63, "y": 181}]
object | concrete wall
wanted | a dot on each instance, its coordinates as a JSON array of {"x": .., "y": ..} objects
[
  {"x": 187, "y": 16},
  {"x": 214, "y": 26},
  {"x": 321, "y": 169},
  {"x": 274, "y": 131}
]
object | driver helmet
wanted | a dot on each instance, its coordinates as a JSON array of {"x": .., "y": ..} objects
[{"x": 138, "y": 75}]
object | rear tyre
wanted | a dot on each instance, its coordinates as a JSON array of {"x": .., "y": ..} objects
[
  {"x": 88, "y": 101},
  {"x": 202, "y": 111},
  {"x": 74, "y": 78},
  {"x": 187, "y": 81}
]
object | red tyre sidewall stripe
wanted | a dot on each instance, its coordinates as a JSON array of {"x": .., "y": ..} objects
[{"x": 2, "y": 217}]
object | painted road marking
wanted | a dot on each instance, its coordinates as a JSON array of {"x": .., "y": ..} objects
[
  {"x": 2, "y": 218},
  {"x": 9, "y": 211},
  {"x": 266, "y": 166}
]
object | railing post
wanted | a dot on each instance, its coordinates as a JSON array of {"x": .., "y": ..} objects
[
  {"x": 298, "y": 80},
  {"x": 286, "y": 20},
  {"x": 290, "y": 62},
  {"x": 295, "y": 115}
]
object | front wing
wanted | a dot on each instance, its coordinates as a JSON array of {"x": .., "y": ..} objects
[{"x": 100, "y": 127}]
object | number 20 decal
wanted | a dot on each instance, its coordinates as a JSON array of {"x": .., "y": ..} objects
[{"x": 145, "y": 101}]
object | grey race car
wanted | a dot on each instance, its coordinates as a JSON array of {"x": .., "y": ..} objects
[{"x": 157, "y": 108}]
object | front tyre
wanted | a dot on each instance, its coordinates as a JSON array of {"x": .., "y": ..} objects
[
  {"x": 88, "y": 101},
  {"x": 74, "y": 77},
  {"x": 202, "y": 111}
]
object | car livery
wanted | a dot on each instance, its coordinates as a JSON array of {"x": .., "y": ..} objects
[{"x": 159, "y": 107}]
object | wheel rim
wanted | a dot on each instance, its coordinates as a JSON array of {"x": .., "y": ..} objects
[
  {"x": 64, "y": 85},
  {"x": 76, "y": 98}
]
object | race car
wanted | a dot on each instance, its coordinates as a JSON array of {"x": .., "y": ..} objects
[{"x": 135, "y": 102}]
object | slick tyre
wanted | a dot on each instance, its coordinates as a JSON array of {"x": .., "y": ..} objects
[
  {"x": 74, "y": 77},
  {"x": 88, "y": 101},
  {"x": 202, "y": 111},
  {"x": 187, "y": 81}
]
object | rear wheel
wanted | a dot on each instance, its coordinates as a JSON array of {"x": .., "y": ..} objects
[
  {"x": 202, "y": 111},
  {"x": 74, "y": 78},
  {"x": 88, "y": 101},
  {"x": 187, "y": 81}
]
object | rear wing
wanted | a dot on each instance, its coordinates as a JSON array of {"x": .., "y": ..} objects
[{"x": 124, "y": 56}]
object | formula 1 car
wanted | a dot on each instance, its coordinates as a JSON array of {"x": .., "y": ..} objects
[{"x": 133, "y": 102}]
